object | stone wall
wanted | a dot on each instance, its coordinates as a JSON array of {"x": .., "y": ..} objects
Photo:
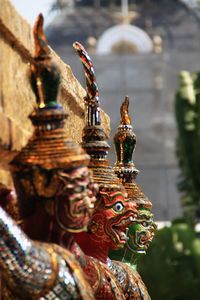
[{"x": 16, "y": 97}]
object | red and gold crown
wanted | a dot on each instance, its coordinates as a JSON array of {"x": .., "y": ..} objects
[
  {"x": 49, "y": 147},
  {"x": 36, "y": 167},
  {"x": 94, "y": 138}
]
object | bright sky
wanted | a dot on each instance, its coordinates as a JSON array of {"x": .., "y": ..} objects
[{"x": 29, "y": 9}]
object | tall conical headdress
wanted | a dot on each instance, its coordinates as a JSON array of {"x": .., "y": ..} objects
[
  {"x": 125, "y": 142},
  {"x": 34, "y": 169},
  {"x": 49, "y": 147},
  {"x": 94, "y": 138}
]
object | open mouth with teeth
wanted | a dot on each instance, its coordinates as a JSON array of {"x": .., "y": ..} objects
[
  {"x": 118, "y": 229},
  {"x": 143, "y": 240}
]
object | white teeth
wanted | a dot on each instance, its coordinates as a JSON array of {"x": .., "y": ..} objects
[
  {"x": 121, "y": 223},
  {"x": 123, "y": 236},
  {"x": 130, "y": 219}
]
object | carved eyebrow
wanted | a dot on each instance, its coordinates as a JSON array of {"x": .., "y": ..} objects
[
  {"x": 114, "y": 200},
  {"x": 144, "y": 215}
]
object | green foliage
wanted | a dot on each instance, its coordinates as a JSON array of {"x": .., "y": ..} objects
[
  {"x": 187, "y": 110},
  {"x": 171, "y": 269}
]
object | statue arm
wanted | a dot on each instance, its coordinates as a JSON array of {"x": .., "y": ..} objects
[
  {"x": 37, "y": 268},
  {"x": 22, "y": 262}
]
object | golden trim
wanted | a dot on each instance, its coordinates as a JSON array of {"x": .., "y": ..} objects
[{"x": 54, "y": 274}]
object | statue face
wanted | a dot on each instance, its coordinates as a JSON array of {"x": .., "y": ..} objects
[
  {"x": 68, "y": 196},
  {"x": 141, "y": 232},
  {"x": 112, "y": 216},
  {"x": 75, "y": 199}
]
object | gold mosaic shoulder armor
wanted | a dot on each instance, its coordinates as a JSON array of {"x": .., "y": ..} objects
[{"x": 33, "y": 270}]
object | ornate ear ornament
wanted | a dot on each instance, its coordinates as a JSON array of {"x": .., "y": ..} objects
[
  {"x": 93, "y": 227},
  {"x": 94, "y": 139}
]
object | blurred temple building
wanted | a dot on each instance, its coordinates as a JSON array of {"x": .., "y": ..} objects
[{"x": 138, "y": 49}]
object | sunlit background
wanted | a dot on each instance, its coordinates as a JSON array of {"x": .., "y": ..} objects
[{"x": 30, "y": 9}]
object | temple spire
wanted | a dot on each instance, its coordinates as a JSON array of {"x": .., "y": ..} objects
[{"x": 124, "y": 8}]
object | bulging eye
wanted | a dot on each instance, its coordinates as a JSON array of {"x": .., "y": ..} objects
[
  {"x": 145, "y": 224},
  {"x": 118, "y": 207},
  {"x": 79, "y": 189}
]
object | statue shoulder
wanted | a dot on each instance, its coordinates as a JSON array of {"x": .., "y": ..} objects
[
  {"x": 130, "y": 281},
  {"x": 71, "y": 269}
]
